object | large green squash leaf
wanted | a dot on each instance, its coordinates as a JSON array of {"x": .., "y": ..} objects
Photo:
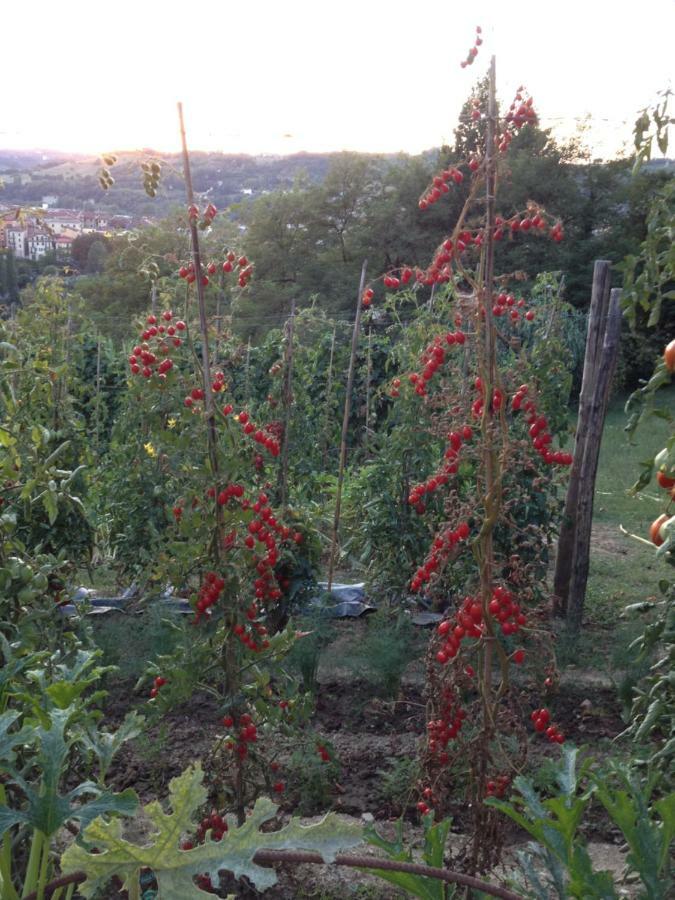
[{"x": 174, "y": 868}]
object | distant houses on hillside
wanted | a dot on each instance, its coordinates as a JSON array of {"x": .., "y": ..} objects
[{"x": 33, "y": 233}]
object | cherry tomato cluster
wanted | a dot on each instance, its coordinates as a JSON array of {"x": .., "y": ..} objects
[
  {"x": 442, "y": 546},
  {"x": 479, "y": 403},
  {"x": 468, "y": 624},
  {"x": 444, "y": 729},
  {"x": 473, "y": 52},
  {"x": 538, "y": 430},
  {"x": 432, "y": 358},
  {"x": 206, "y": 217},
  {"x": 247, "y": 734},
  {"x": 521, "y": 112},
  {"x": 496, "y": 787},
  {"x": 507, "y": 304},
  {"x": 158, "y": 683},
  {"x": 231, "y": 264},
  {"x": 151, "y": 356},
  {"x": 261, "y": 436},
  {"x": 541, "y": 719},
  {"x": 508, "y": 613},
  {"x": 215, "y": 823},
  {"x": 440, "y": 187},
  {"x": 196, "y": 395},
  {"x": 455, "y": 440},
  {"x": 209, "y": 594}
]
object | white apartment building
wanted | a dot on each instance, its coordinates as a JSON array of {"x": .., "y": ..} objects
[
  {"x": 16, "y": 240},
  {"x": 38, "y": 243}
]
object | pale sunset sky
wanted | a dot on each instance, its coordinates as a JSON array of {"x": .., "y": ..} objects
[{"x": 278, "y": 77}]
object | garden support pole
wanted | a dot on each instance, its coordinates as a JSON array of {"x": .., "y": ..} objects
[
  {"x": 589, "y": 465},
  {"x": 596, "y": 328},
  {"x": 485, "y": 545},
  {"x": 288, "y": 402},
  {"x": 369, "y": 375},
  {"x": 329, "y": 391},
  {"x": 98, "y": 390},
  {"x": 212, "y": 435},
  {"x": 345, "y": 425}
]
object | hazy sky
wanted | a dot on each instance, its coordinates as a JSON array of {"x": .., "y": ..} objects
[{"x": 278, "y": 77}]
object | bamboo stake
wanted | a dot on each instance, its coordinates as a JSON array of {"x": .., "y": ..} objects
[
  {"x": 345, "y": 425},
  {"x": 485, "y": 546},
  {"x": 98, "y": 389},
  {"x": 212, "y": 435},
  {"x": 246, "y": 372},
  {"x": 288, "y": 401},
  {"x": 329, "y": 389}
]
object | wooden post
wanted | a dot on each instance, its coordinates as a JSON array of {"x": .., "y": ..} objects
[
  {"x": 329, "y": 390},
  {"x": 288, "y": 401},
  {"x": 589, "y": 465},
  {"x": 212, "y": 434},
  {"x": 345, "y": 425},
  {"x": 594, "y": 340}
]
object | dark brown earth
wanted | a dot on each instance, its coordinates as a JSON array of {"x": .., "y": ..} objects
[{"x": 370, "y": 736}]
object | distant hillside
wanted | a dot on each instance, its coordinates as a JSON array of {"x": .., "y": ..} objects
[{"x": 33, "y": 175}]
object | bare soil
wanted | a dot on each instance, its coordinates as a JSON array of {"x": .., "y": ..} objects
[{"x": 370, "y": 735}]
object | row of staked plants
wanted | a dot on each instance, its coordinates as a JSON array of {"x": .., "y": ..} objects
[{"x": 213, "y": 484}]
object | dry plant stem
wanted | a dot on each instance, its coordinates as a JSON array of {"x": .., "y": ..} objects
[
  {"x": 345, "y": 425},
  {"x": 212, "y": 436},
  {"x": 269, "y": 857},
  {"x": 329, "y": 391},
  {"x": 288, "y": 402},
  {"x": 483, "y": 546}
]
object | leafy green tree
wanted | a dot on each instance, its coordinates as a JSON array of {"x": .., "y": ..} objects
[
  {"x": 96, "y": 257},
  {"x": 4, "y": 289},
  {"x": 470, "y": 132},
  {"x": 11, "y": 278}
]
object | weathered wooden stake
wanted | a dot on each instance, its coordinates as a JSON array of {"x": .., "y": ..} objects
[
  {"x": 589, "y": 465},
  {"x": 596, "y": 329},
  {"x": 345, "y": 425}
]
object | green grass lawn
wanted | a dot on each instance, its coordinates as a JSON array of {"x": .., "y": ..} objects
[{"x": 622, "y": 570}]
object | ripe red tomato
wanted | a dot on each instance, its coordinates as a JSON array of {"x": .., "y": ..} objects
[
  {"x": 655, "y": 528},
  {"x": 665, "y": 482},
  {"x": 669, "y": 356}
]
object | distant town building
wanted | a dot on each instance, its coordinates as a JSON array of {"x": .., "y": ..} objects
[
  {"x": 16, "y": 240},
  {"x": 32, "y": 233},
  {"x": 39, "y": 242}
]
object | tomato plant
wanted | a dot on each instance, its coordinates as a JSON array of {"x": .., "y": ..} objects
[{"x": 479, "y": 398}]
